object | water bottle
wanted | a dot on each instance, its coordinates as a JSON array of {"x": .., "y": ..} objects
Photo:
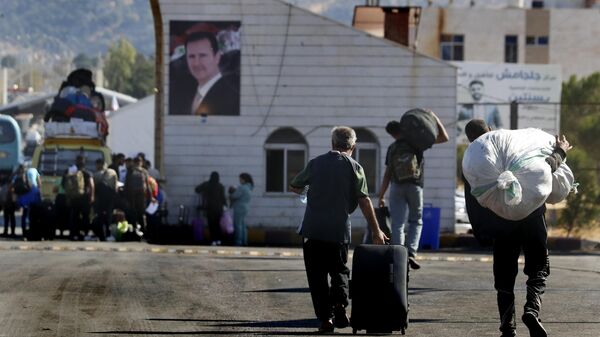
[{"x": 304, "y": 195}]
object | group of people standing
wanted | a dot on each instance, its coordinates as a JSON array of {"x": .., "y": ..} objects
[
  {"x": 213, "y": 203},
  {"x": 20, "y": 192}
]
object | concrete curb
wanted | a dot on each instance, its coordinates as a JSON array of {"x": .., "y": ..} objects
[{"x": 224, "y": 251}]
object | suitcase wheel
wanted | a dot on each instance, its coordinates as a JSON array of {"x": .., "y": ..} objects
[{"x": 403, "y": 331}]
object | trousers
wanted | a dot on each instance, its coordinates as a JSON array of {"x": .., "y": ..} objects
[
  {"x": 324, "y": 259},
  {"x": 530, "y": 236}
]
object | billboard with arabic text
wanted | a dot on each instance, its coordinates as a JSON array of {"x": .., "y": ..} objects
[{"x": 485, "y": 91}]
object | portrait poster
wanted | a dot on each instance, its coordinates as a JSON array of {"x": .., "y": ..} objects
[
  {"x": 485, "y": 91},
  {"x": 204, "y": 68}
]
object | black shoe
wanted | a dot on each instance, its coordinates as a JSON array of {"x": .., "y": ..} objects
[
  {"x": 412, "y": 262},
  {"x": 509, "y": 334},
  {"x": 326, "y": 327},
  {"x": 536, "y": 329},
  {"x": 340, "y": 319}
]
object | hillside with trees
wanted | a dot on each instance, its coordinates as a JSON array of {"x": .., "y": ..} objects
[{"x": 66, "y": 27}]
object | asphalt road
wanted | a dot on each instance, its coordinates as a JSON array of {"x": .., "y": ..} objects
[{"x": 110, "y": 289}]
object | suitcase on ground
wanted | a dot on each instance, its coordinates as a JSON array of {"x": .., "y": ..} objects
[{"x": 379, "y": 289}]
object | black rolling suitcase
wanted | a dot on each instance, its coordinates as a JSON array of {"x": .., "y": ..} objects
[{"x": 379, "y": 289}]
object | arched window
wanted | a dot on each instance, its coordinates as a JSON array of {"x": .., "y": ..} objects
[
  {"x": 367, "y": 155},
  {"x": 286, "y": 156}
]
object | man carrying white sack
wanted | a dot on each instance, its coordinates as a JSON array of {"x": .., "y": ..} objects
[{"x": 509, "y": 237}]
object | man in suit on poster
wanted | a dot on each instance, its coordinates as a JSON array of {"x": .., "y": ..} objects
[{"x": 216, "y": 94}]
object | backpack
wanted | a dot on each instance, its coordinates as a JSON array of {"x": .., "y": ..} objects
[
  {"x": 404, "y": 163},
  {"x": 21, "y": 186},
  {"x": 104, "y": 188},
  {"x": 74, "y": 185},
  {"x": 136, "y": 180}
]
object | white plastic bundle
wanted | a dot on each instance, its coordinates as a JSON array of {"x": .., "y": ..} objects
[{"x": 508, "y": 173}]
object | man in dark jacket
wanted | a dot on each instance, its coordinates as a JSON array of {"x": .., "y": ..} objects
[
  {"x": 337, "y": 185},
  {"x": 508, "y": 239}
]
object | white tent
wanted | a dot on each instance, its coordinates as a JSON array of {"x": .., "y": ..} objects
[{"x": 131, "y": 128}]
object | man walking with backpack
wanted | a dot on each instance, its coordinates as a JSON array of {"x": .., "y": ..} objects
[
  {"x": 105, "y": 186},
  {"x": 404, "y": 172},
  {"x": 137, "y": 192},
  {"x": 79, "y": 192}
]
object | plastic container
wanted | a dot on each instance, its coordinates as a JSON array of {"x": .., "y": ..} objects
[{"x": 430, "y": 234}]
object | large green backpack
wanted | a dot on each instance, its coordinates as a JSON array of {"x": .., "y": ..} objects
[
  {"x": 74, "y": 185},
  {"x": 404, "y": 163}
]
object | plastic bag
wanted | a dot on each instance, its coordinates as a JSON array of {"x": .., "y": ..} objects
[
  {"x": 226, "y": 223},
  {"x": 508, "y": 172}
]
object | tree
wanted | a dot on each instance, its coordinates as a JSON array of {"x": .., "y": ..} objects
[
  {"x": 580, "y": 119},
  {"x": 82, "y": 60},
  {"x": 129, "y": 72},
  {"x": 582, "y": 210},
  {"x": 143, "y": 77},
  {"x": 119, "y": 66}
]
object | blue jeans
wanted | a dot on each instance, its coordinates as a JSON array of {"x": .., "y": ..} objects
[
  {"x": 406, "y": 202},
  {"x": 240, "y": 231}
]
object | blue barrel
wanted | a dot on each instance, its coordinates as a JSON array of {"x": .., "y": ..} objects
[{"x": 430, "y": 235}]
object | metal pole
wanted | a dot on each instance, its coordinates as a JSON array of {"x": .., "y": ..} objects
[
  {"x": 4, "y": 83},
  {"x": 514, "y": 115}
]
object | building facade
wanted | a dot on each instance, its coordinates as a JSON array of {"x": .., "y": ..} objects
[
  {"x": 565, "y": 34},
  {"x": 300, "y": 74}
]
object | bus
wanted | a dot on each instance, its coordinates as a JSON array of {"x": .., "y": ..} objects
[{"x": 10, "y": 147}]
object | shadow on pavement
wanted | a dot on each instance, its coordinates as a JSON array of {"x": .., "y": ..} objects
[{"x": 282, "y": 290}]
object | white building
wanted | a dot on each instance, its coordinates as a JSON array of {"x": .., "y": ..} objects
[
  {"x": 301, "y": 74},
  {"x": 535, "y": 32}
]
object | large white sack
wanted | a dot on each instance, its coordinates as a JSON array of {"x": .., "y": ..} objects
[
  {"x": 562, "y": 183},
  {"x": 508, "y": 173}
]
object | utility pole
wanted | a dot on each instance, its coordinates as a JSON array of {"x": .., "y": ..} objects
[{"x": 3, "y": 84}]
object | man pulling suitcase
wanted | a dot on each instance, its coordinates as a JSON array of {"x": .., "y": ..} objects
[{"x": 337, "y": 185}]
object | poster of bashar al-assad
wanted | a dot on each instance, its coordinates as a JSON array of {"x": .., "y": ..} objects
[{"x": 204, "y": 68}]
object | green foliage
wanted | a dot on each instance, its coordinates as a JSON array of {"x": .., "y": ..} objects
[
  {"x": 143, "y": 79},
  {"x": 580, "y": 119},
  {"x": 68, "y": 27},
  {"x": 129, "y": 72},
  {"x": 84, "y": 61},
  {"x": 582, "y": 210}
]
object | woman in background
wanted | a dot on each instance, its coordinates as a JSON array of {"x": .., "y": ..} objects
[
  {"x": 213, "y": 201},
  {"x": 240, "y": 200}
]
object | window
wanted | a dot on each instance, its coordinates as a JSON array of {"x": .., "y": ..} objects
[
  {"x": 537, "y": 4},
  {"x": 367, "y": 155},
  {"x": 452, "y": 47},
  {"x": 55, "y": 161},
  {"x": 537, "y": 40},
  {"x": 511, "y": 49},
  {"x": 542, "y": 40},
  {"x": 7, "y": 132},
  {"x": 286, "y": 157}
]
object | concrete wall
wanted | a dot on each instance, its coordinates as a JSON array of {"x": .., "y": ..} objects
[
  {"x": 575, "y": 42},
  {"x": 573, "y": 35},
  {"x": 307, "y": 72}
]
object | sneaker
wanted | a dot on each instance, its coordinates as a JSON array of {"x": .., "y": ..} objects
[
  {"x": 340, "y": 319},
  {"x": 412, "y": 262},
  {"x": 326, "y": 327},
  {"x": 533, "y": 323}
]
